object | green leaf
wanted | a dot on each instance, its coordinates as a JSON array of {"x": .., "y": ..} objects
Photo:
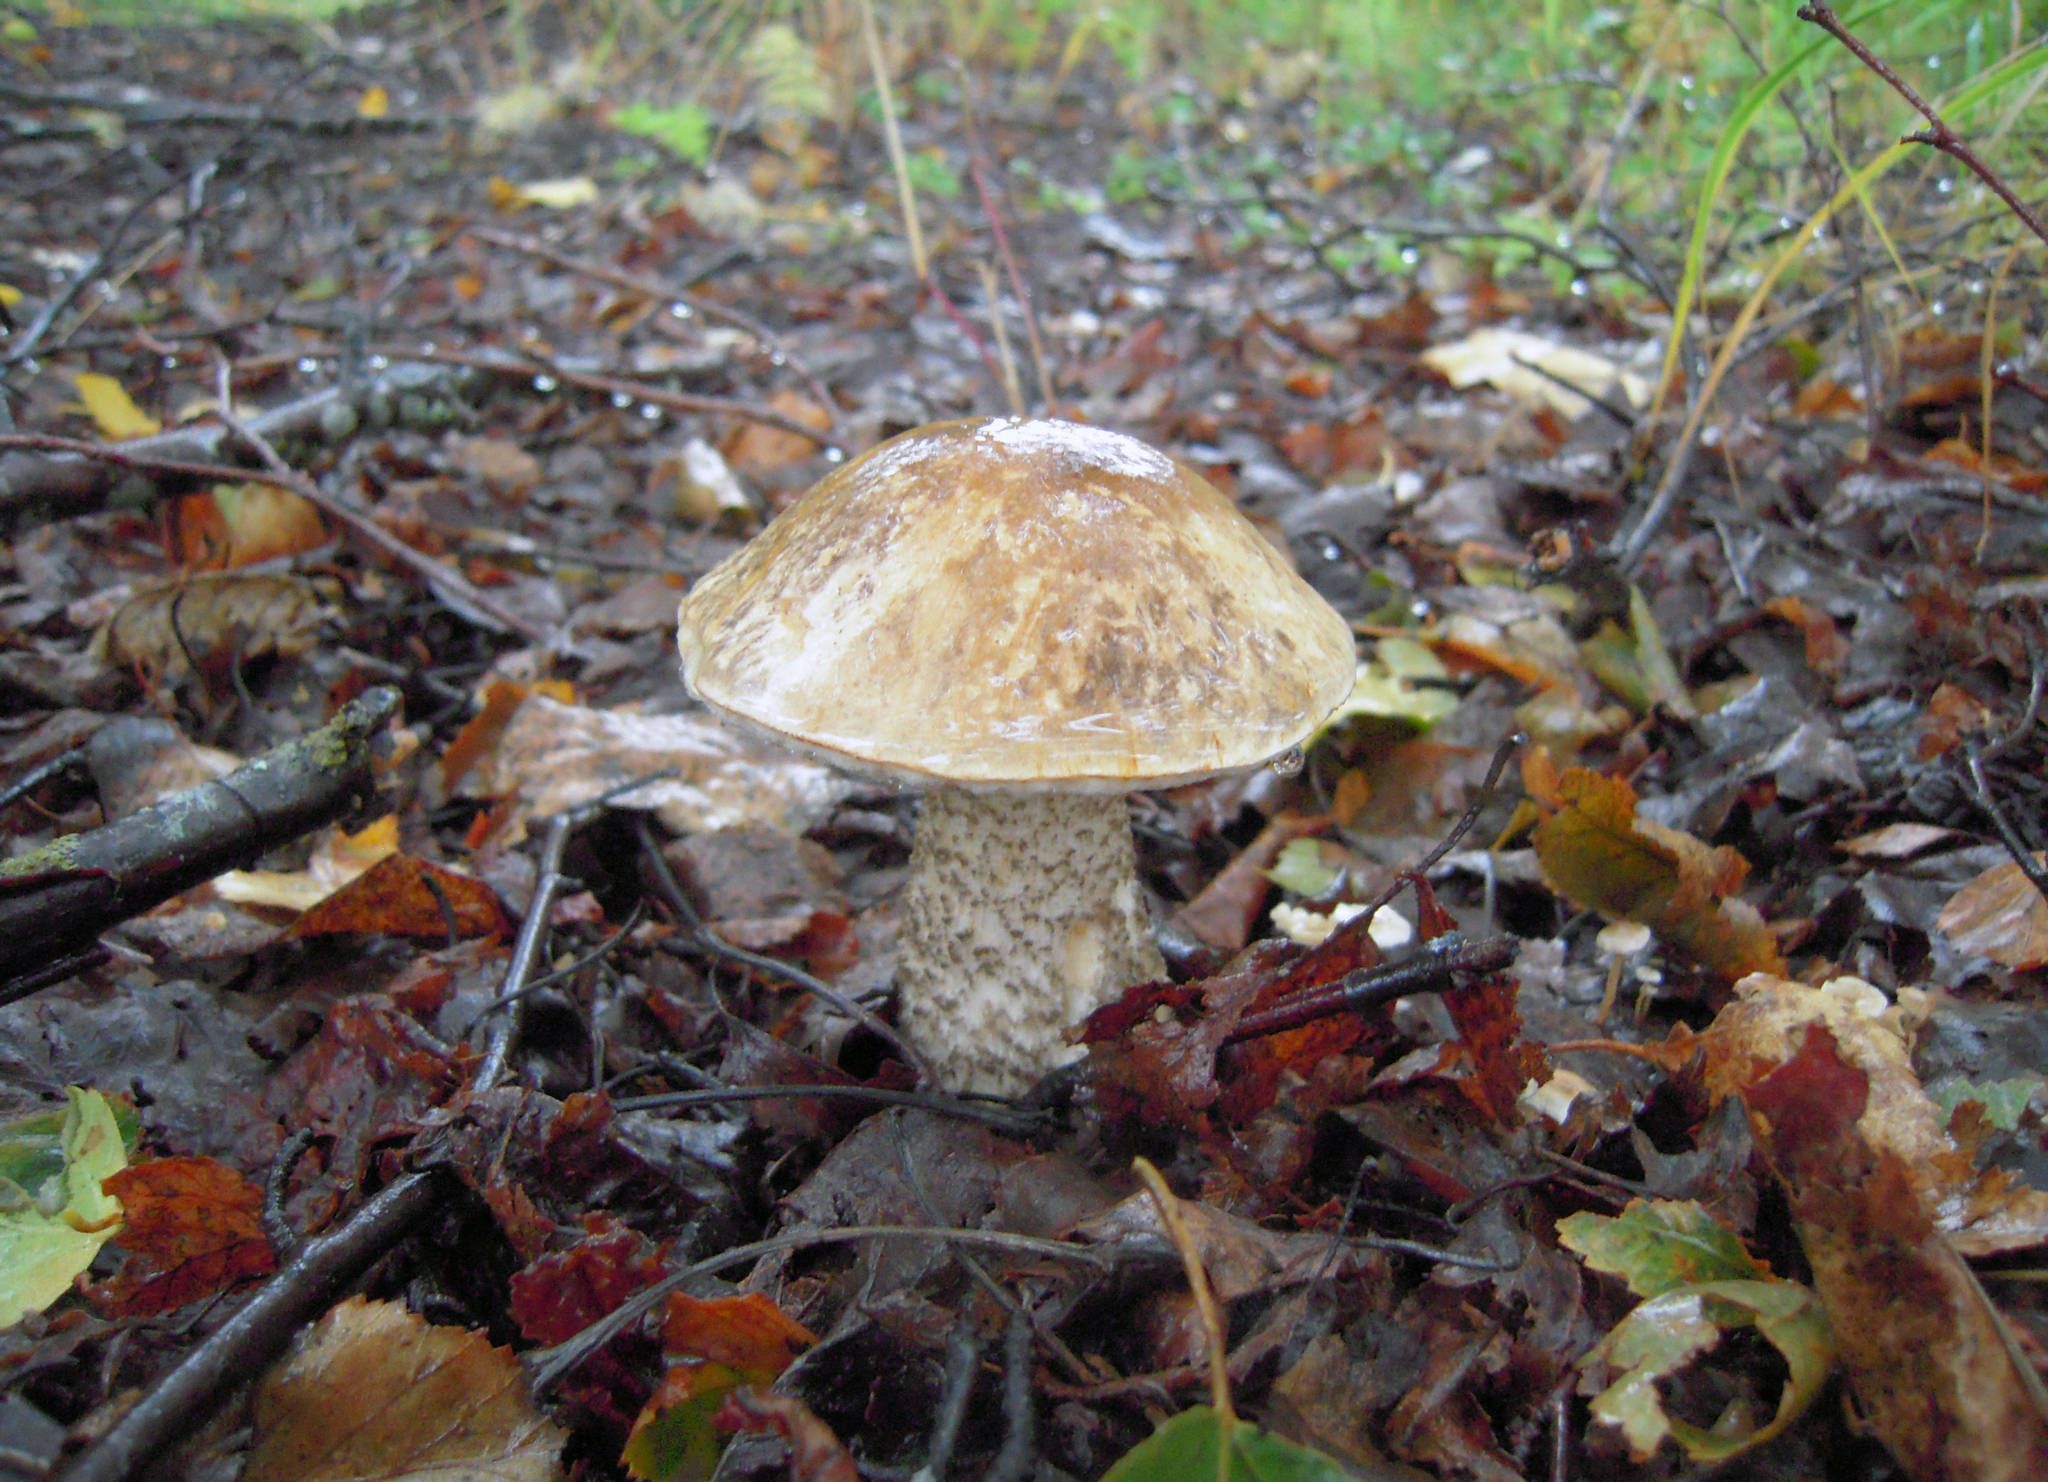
[
  {"x": 1402, "y": 680},
  {"x": 684, "y": 129},
  {"x": 1668, "y": 1332},
  {"x": 2004, "y": 1102},
  {"x": 1659, "y": 1245},
  {"x": 1300, "y": 868},
  {"x": 1189, "y": 1448},
  {"x": 53, "y": 1215}
]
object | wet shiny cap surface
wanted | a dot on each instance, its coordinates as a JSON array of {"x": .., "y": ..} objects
[{"x": 1003, "y": 602}]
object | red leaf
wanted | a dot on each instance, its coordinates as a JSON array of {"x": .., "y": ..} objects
[{"x": 193, "y": 1229}]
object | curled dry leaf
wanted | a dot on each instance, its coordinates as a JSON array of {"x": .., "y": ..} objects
[
  {"x": 164, "y": 627},
  {"x": 553, "y": 757},
  {"x": 374, "y": 1391},
  {"x": 1934, "y": 1373},
  {"x": 1983, "y": 1212},
  {"x": 1597, "y": 854},
  {"x": 1999, "y": 915}
]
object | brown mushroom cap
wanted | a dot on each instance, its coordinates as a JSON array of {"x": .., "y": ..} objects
[{"x": 1011, "y": 603}]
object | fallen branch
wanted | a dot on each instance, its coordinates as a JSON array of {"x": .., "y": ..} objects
[{"x": 54, "y": 901}]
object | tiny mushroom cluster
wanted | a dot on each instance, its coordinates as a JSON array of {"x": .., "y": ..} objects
[{"x": 1029, "y": 619}]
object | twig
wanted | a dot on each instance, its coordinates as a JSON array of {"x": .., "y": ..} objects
[
  {"x": 549, "y": 1365},
  {"x": 1433, "y": 968},
  {"x": 530, "y": 365},
  {"x": 989, "y": 1114},
  {"x": 906, "y": 193},
  {"x": 55, "y": 900},
  {"x": 525, "y": 952},
  {"x": 977, "y": 167},
  {"x": 1937, "y": 135},
  {"x": 654, "y": 288},
  {"x": 451, "y": 585},
  {"x": 245, "y": 1345},
  {"x": 671, "y": 891}
]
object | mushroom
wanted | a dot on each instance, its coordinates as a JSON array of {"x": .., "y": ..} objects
[{"x": 1030, "y": 619}]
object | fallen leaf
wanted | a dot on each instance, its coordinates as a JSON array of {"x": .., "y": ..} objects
[
  {"x": 815, "y": 1453},
  {"x": 1596, "y": 853},
  {"x": 694, "y": 773},
  {"x": 1896, "y": 840},
  {"x": 403, "y": 896},
  {"x": 107, "y": 402},
  {"x": 1531, "y": 368},
  {"x": 1934, "y": 1375},
  {"x": 54, "y": 1212},
  {"x": 193, "y": 1229},
  {"x": 719, "y": 1348},
  {"x": 1200, "y": 1444},
  {"x": 235, "y": 525},
  {"x": 1984, "y": 1211},
  {"x": 373, "y": 1391},
  {"x": 1999, "y": 915},
  {"x": 337, "y": 858}
]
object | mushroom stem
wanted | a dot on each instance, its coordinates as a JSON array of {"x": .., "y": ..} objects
[{"x": 1021, "y": 916}]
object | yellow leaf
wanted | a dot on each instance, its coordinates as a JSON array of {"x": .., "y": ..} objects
[
  {"x": 374, "y": 103},
  {"x": 559, "y": 195},
  {"x": 112, "y": 412},
  {"x": 9, "y": 295}
]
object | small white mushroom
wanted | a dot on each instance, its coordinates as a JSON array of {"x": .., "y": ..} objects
[
  {"x": 1030, "y": 619},
  {"x": 1621, "y": 943}
]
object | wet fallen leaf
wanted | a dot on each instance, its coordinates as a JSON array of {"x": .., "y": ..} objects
[
  {"x": 213, "y": 617},
  {"x": 54, "y": 1212},
  {"x": 1896, "y": 840},
  {"x": 373, "y": 1391},
  {"x": 1935, "y": 1375},
  {"x": 815, "y": 1454},
  {"x": 1203, "y": 1443},
  {"x": 192, "y": 1230},
  {"x": 1699, "y": 1283},
  {"x": 1999, "y": 915},
  {"x": 757, "y": 448},
  {"x": 554, "y": 757},
  {"x": 337, "y": 858},
  {"x": 717, "y": 1347},
  {"x": 1984, "y": 1211},
  {"x": 1596, "y": 853},
  {"x": 107, "y": 402},
  {"x": 407, "y": 897},
  {"x": 1536, "y": 370},
  {"x": 241, "y": 524}
]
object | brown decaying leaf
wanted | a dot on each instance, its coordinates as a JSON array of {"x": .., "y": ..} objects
[
  {"x": 561, "y": 1293},
  {"x": 213, "y": 617},
  {"x": 192, "y": 1229},
  {"x": 815, "y": 1453},
  {"x": 1933, "y": 1375},
  {"x": 1596, "y": 853},
  {"x": 1999, "y": 915},
  {"x": 1984, "y": 1212},
  {"x": 1229, "y": 905},
  {"x": 1490, "y": 1035},
  {"x": 406, "y": 897},
  {"x": 476, "y": 738},
  {"x": 241, "y": 524},
  {"x": 373, "y": 1391}
]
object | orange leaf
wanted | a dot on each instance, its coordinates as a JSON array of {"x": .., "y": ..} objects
[
  {"x": 749, "y": 1333},
  {"x": 407, "y": 897},
  {"x": 193, "y": 1230}
]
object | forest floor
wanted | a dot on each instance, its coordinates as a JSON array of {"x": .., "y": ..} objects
[{"x": 1700, "y": 1115}]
